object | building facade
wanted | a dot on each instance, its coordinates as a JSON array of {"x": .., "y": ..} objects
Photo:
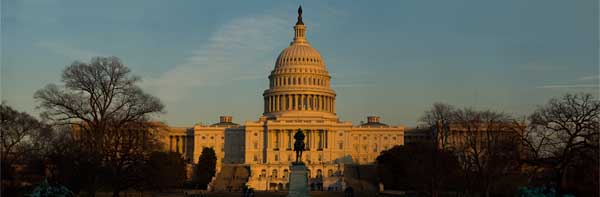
[{"x": 299, "y": 97}]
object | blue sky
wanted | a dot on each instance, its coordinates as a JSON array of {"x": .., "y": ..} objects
[{"x": 388, "y": 58}]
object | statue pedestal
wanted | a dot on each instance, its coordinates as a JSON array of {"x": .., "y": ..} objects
[{"x": 298, "y": 180}]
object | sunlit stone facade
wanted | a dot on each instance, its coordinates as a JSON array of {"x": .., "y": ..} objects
[{"x": 299, "y": 97}]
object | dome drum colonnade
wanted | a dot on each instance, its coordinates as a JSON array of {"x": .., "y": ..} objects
[
  {"x": 299, "y": 102},
  {"x": 300, "y": 82}
]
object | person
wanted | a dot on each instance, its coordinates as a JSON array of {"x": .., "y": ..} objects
[{"x": 349, "y": 192}]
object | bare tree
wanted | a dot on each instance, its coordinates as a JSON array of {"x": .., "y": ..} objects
[
  {"x": 109, "y": 113},
  {"x": 488, "y": 148},
  {"x": 438, "y": 119},
  {"x": 563, "y": 133},
  {"x": 21, "y": 135}
]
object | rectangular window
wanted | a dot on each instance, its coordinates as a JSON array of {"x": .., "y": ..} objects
[
  {"x": 289, "y": 145},
  {"x": 277, "y": 140},
  {"x": 320, "y": 139}
]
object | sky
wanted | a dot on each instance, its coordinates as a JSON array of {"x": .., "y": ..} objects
[{"x": 388, "y": 58}]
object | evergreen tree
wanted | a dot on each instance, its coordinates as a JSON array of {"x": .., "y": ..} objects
[
  {"x": 206, "y": 168},
  {"x": 164, "y": 170}
]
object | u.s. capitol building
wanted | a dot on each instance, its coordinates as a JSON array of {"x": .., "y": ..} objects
[{"x": 299, "y": 97}]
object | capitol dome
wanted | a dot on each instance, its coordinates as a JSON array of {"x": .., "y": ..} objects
[
  {"x": 299, "y": 54},
  {"x": 299, "y": 85}
]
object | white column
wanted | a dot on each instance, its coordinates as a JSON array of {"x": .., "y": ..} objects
[
  {"x": 323, "y": 107},
  {"x": 326, "y": 104},
  {"x": 333, "y": 103},
  {"x": 316, "y": 102},
  {"x": 320, "y": 103},
  {"x": 312, "y": 102},
  {"x": 302, "y": 102},
  {"x": 305, "y": 102},
  {"x": 277, "y": 103},
  {"x": 288, "y": 103},
  {"x": 283, "y": 102},
  {"x": 308, "y": 102},
  {"x": 280, "y": 103},
  {"x": 274, "y": 102},
  {"x": 295, "y": 102}
]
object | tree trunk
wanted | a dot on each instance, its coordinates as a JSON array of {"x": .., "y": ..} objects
[
  {"x": 116, "y": 192},
  {"x": 560, "y": 181},
  {"x": 91, "y": 190}
]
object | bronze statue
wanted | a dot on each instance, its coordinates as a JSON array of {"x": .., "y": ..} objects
[
  {"x": 299, "y": 145},
  {"x": 300, "y": 16}
]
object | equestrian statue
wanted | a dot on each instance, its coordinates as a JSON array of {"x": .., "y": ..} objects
[{"x": 299, "y": 145}]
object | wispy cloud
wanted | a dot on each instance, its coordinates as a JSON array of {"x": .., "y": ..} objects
[
  {"x": 591, "y": 77},
  {"x": 570, "y": 86},
  {"x": 69, "y": 51},
  {"x": 351, "y": 85},
  {"x": 541, "y": 66},
  {"x": 236, "y": 51}
]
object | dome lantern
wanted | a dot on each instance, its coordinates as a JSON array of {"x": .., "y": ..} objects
[{"x": 299, "y": 29}]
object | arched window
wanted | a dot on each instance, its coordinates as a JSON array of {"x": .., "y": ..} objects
[
  {"x": 329, "y": 172},
  {"x": 285, "y": 173},
  {"x": 274, "y": 173},
  {"x": 319, "y": 173},
  {"x": 263, "y": 173}
]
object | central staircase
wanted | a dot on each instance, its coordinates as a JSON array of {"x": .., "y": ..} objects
[{"x": 231, "y": 178}]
